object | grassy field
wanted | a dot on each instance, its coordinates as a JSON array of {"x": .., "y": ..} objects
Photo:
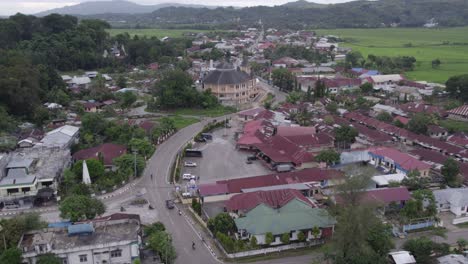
[
  {"x": 212, "y": 112},
  {"x": 450, "y": 45},
  {"x": 155, "y": 32}
]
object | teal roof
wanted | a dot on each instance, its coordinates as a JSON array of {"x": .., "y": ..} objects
[{"x": 295, "y": 215}]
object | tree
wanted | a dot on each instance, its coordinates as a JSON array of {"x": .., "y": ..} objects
[
  {"x": 80, "y": 207},
  {"x": 414, "y": 181},
  {"x": 294, "y": 97},
  {"x": 332, "y": 107},
  {"x": 354, "y": 58},
  {"x": 461, "y": 243},
  {"x": 126, "y": 164},
  {"x": 421, "y": 248},
  {"x": 450, "y": 171},
  {"x": 196, "y": 206},
  {"x": 436, "y": 63},
  {"x": 366, "y": 87},
  {"x": 48, "y": 258},
  {"x": 418, "y": 124},
  {"x": 155, "y": 227},
  {"x": 142, "y": 146},
  {"x": 301, "y": 237},
  {"x": 253, "y": 242},
  {"x": 11, "y": 256},
  {"x": 398, "y": 123},
  {"x": 15, "y": 227},
  {"x": 315, "y": 232},
  {"x": 285, "y": 238},
  {"x": 269, "y": 238},
  {"x": 126, "y": 99},
  {"x": 357, "y": 235},
  {"x": 330, "y": 157},
  {"x": 121, "y": 81},
  {"x": 345, "y": 135},
  {"x": 320, "y": 89},
  {"x": 95, "y": 168},
  {"x": 223, "y": 223},
  {"x": 457, "y": 87},
  {"x": 283, "y": 78},
  {"x": 384, "y": 117},
  {"x": 161, "y": 243}
]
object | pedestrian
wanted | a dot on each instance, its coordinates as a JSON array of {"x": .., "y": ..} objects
[{"x": 151, "y": 175}]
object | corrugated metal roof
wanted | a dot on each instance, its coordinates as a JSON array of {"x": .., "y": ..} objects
[{"x": 80, "y": 229}]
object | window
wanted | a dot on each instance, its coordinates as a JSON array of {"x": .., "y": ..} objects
[
  {"x": 64, "y": 260},
  {"x": 116, "y": 253},
  {"x": 83, "y": 258}
]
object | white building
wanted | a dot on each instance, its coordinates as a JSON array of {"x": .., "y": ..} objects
[
  {"x": 453, "y": 200},
  {"x": 112, "y": 239},
  {"x": 62, "y": 137}
]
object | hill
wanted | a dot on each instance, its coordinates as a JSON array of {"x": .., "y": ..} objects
[
  {"x": 110, "y": 7},
  {"x": 363, "y": 14},
  {"x": 304, "y": 4}
]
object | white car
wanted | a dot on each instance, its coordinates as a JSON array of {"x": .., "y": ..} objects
[
  {"x": 186, "y": 194},
  {"x": 188, "y": 176},
  {"x": 190, "y": 164}
]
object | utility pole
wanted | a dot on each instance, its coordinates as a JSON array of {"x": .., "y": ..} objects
[{"x": 134, "y": 162}]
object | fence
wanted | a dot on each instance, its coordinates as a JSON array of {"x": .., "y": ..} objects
[
  {"x": 274, "y": 249},
  {"x": 460, "y": 220},
  {"x": 419, "y": 225}
]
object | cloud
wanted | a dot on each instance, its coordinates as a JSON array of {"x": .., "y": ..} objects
[{"x": 30, "y": 7}]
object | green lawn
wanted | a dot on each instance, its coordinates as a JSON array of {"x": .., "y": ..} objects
[
  {"x": 450, "y": 45},
  {"x": 454, "y": 126},
  {"x": 155, "y": 32},
  {"x": 213, "y": 112},
  {"x": 181, "y": 122}
]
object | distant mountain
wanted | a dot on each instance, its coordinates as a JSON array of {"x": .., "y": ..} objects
[
  {"x": 111, "y": 7},
  {"x": 304, "y": 4}
]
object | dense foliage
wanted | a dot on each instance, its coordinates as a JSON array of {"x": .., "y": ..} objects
[
  {"x": 457, "y": 87},
  {"x": 175, "y": 90},
  {"x": 305, "y": 15}
]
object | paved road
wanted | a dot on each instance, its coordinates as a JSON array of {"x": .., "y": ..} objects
[{"x": 159, "y": 190}]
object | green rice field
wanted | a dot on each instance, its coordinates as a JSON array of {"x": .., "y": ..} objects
[
  {"x": 450, "y": 45},
  {"x": 155, "y": 32}
]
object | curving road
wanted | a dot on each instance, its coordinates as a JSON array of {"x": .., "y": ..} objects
[{"x": 159, "y": 190}]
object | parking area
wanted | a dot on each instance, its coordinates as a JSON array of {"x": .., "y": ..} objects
[{"x": 221, "y": 160}]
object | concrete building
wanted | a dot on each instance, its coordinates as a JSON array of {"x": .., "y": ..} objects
[
  {"x": 24, "y": 173},
  {"x": 454, "y": 200},
  {"x": 108, "y": 240},
  {"x": 63, "y": 137},
  {"x": 231, "y": 87}
]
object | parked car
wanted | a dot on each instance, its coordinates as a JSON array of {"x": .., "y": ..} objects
[
  {"x": 252, "y": 158},
  {"x": 170, "y": 204},
  {"x": 188, "y": 176},
  {"x": 186, "y": 194},
  {"x": 190, "y": 164},
  {"x": 249, "y": 162}
]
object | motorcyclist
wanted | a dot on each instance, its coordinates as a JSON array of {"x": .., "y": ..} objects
[{"x": 193, "y": 245}]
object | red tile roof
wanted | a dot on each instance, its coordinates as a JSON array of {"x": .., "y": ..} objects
[
  {"x": 210, "y": 189},
  {"x": 384, "y": 195},
  {"x": 287, "y": 131},
  {"x": 404, "y": 160},
  {"x": 461, "y": 111},
  {"x": 458, "y": 139},
  {"x": 429, "y": 155},
  {"x": 274, "y": 199},
  {"x": 301, "y": 176},
  {"x": 108, "y": 151},
  {"x": 280, "y": 149}
]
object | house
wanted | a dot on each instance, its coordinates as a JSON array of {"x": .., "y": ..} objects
[
  {"x": 240, "y": 204},
  {"x": 250, "y": 113},
  {"x": 393, "y": 160},
  {"x": 112, "y": 239},
  {"x": 82, "y": 82},
  {"x": 383, "y": 181},
  {"x": 26, "y": 171},
  {"x": 459, "y": 113},
  {"x": 459, "y": 139},
  {"x": 401, "y": 257},
  {"x": 453, "y": 259},
  {"x": 382, "y": 196},
  {"x": 62, "y": 137},
  {"x": 454, "y": 200},
  {"x": 284, "y": 62},
  {"x": 106, "y": 152},
  {"x": 91, "y": 106},
  {"x": 291, "y": 218},
  {"x": 307, "y": 181},
  {"x": 435, "y": 131}
]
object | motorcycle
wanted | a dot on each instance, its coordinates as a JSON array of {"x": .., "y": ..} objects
[
  {"x": 122, "y": 209},
  {"x": 193, "y": 245}
]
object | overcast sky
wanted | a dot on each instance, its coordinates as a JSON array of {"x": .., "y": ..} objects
[{"x": 9, "y": 7}]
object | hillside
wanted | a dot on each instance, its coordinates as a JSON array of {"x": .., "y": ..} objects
[
  {"x": 110, "y": 7},
  {"x": 404, "y": 13},
  {"x": 304, "y": 4}
]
